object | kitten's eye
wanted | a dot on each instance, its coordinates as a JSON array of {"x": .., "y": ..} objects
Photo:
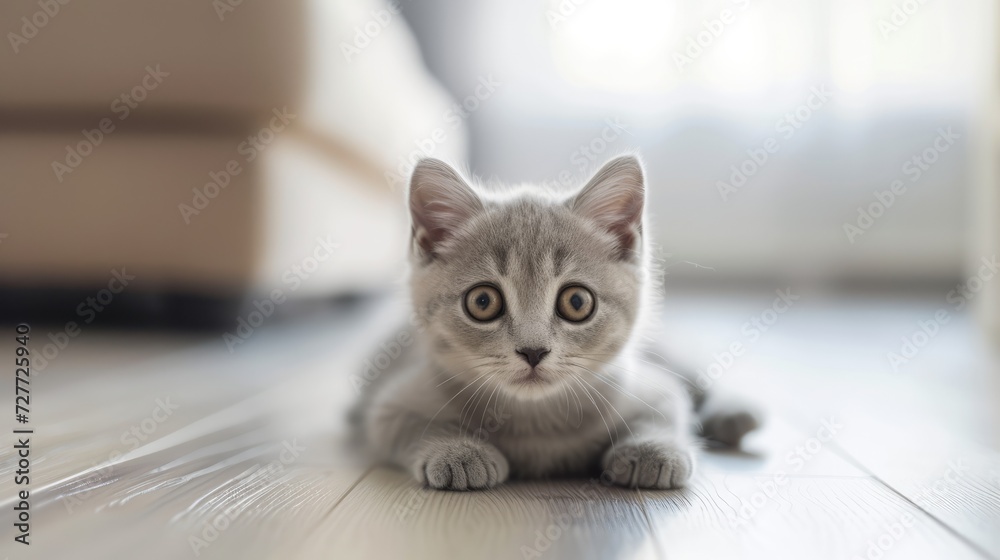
[
  {"x": 575, "y": 303},
  {"x": 484, "y": 303}
]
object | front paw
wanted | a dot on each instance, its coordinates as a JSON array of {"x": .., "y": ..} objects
[
  {"x": 649, "y": 463},
  {"x": 460, "y": 464}
]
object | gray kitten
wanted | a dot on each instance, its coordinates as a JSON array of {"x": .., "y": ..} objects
[{"x": 530, "y": 361}]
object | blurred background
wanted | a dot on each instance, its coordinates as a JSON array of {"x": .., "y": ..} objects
[
  {"x": 768, "y": 129},
  {"x": 699, "y": 87}
]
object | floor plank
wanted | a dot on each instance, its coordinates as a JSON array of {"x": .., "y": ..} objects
[
  {"x": 389, "y": 516},
  {"x": 198, "y": 485},
  {"x": 781, "y": 447},
  {"x": 943, "y": 474},
  {"x": 798, "y": 517}
]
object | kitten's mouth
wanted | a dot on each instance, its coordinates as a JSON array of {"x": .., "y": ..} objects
[{"x": 533, "y": 377}]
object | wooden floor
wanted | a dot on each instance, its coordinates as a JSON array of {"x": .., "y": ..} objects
[{"x": 250, "y": 460}]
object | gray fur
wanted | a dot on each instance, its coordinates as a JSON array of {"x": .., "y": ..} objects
[{"x": 463, "y": 410}]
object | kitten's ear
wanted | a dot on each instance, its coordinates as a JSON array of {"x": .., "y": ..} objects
[
  {"x": 614, "y": 198},
  {"x": 440, "y": 203}
]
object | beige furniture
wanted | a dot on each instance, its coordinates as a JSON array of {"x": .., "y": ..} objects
[{"x": 119, "y": 119}]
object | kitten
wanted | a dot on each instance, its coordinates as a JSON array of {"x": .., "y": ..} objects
[{"x": 530, "y": 364}]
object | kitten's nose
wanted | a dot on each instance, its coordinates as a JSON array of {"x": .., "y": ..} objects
[{"x": 533, "y": 355}]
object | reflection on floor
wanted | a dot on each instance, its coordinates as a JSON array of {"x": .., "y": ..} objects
[{"x": 155, "y": 446}]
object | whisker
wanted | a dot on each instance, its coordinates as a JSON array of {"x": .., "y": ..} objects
[
  {"x": 495, "y": 403},
  {"x": 579, "y": 406},
  {"x": 468, "y": 401},
  {"x": 429, "y": 422},
  {"x": 566, "y": 394},
  {"x": 657, "y": 366},
  {"x": 483, "y": 417},
  {"x": 620, "y": 388},
  {"x": 599, "y": 394},
  {"x": 457, "y": 374},
  {"x": 640, "y": 377},
  {"x": 575, "y": 377}
]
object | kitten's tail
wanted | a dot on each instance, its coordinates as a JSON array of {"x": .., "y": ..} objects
[
  {"x": 722, "y": 421},
  {"x": 725, "y": 422}
]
